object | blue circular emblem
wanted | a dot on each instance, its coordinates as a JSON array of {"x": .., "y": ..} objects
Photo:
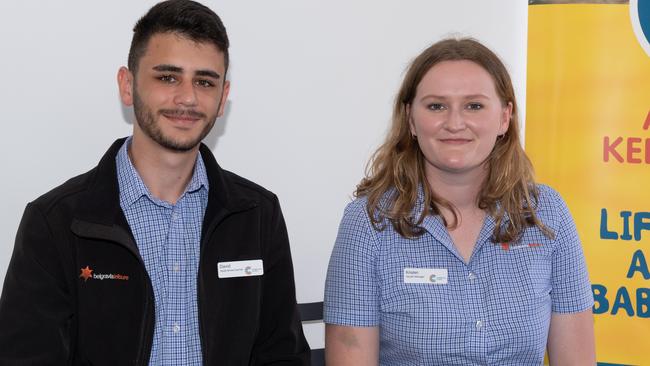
[{"x": 640, "y": 17}]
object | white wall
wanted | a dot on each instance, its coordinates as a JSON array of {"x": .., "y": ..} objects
[{"x": 312, "y": 88}]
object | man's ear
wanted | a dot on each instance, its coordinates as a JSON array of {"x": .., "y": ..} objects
[
  {"x": 224, "y": 98},
  {"x": 125, "y": 85}
]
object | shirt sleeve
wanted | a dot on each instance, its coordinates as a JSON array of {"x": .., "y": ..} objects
[
  {"x": 351, "y": 287},
  {"x": 571, "y": 288}
]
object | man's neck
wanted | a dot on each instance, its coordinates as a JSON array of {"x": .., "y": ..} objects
[{"x": 166, "y": 173}]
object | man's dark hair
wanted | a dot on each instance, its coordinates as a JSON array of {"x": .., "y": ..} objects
[{"x": 184, "y": 17}]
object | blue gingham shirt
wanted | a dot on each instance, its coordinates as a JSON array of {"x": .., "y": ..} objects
[
  {"x": 168, "y": 238},
  {"x": 494, "y": 310}
]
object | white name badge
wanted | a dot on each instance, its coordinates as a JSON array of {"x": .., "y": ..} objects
[
  {"x": 248, "y": 268},
  {"x": 432, "y": 276}
]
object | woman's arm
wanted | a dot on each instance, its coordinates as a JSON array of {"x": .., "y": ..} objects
[
  {"x": 571, "y": 339},
  {"x": 354, "y": 346},
  {"x": 351, "y": 302}
]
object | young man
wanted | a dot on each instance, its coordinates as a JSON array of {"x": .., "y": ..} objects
[{"x": 157, "y": 256}]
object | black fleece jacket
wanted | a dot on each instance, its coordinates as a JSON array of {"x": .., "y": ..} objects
[{"x": 53, "y": 313}]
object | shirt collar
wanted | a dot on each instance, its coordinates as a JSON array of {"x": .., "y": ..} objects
[
  {"x": 435, "y": 226},
  {"x": 199, "y": 177},
  {"x": 133, "y": 188}
]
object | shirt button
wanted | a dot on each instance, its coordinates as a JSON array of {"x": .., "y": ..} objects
[
  {"x": 175, "y": 216},
  {"x": 176, "y": 267},
  {"x": 479, "y": 324},
  {"x": 471, "y": 276},
  {"x": 176, "y": 328}
]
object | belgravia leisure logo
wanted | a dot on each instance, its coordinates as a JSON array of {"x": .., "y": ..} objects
[
  {"x": 640, "y": 18},
  {"x": 88, "y": 273}
]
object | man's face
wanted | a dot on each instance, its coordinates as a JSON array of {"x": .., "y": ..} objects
[{"x": 178, "y": 91}]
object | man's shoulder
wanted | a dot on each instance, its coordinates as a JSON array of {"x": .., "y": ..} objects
[
  {"x": 70, "y": 191},
  {"x": 248, "y": 188},
  {"x": 235, "y": 186}
]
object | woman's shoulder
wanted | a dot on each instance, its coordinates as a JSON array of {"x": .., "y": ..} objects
[
  {"x": 546, "y": 192},
  {"x": 355, "y": 214},
  {"x": 551, "y": 207},
  {"x": 548, "y": 197},
  {"x": 360, "y": 204},
  {"x": 356, "y": 207}
]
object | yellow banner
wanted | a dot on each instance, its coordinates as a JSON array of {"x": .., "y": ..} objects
[{"x": 588, "y": 135}]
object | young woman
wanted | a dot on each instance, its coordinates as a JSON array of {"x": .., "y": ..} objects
[{"x": 451, "y": 254}]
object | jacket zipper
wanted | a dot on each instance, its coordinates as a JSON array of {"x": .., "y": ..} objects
[
  {"x": 199, "y": 280},
  {"x": 199, "y": 287},
  {"x": 198, "y": 300}
]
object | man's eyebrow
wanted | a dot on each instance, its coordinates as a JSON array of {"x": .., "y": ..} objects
[
  {"x": 177, "y": 69},
  {"x": 168, "y": 68},
  {"x": 209, "y": 73}
]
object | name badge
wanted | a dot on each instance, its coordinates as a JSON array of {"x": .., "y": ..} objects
[
  {"x": 248, "y": 268},
  {"x": 432, "y": 276}
]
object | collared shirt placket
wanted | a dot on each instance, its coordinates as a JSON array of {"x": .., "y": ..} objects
[
  {"x": 477, "y": 320},
  {"x": 168, "y": 238}
]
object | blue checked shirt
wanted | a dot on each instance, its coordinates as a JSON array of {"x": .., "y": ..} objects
[
  {"x": 494, "y": 310},
  {"x": 168, "y": 238}
]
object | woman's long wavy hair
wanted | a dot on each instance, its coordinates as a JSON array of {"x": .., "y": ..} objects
[{"x": 396, "y": 172}]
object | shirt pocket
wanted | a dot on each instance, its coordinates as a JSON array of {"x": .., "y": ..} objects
[
  {"x": 525, "y": 271},
  {"x": 421, "y": 317}
]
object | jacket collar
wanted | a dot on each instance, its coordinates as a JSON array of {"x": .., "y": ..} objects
[
  {"x": 101, "y": 205},
  {"x": 132, "y": 188}
]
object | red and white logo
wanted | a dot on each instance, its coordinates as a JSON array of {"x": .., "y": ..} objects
[
  {"x": 87, "y": 273},
  {"x": 507, "y": 246}
]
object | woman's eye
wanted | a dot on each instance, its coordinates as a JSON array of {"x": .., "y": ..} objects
[
  {"x": 436, "y": 106},
  {"x": 475, "y": 106}
]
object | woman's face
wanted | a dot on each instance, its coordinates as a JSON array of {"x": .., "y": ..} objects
[{"x": 457, "y": 115}]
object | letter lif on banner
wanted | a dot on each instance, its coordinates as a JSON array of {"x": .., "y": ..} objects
[{"x": 639, "y": 223}]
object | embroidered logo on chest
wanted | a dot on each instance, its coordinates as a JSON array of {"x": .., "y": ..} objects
[
  {"x": 88, "y": 273},
  {"x": 507, "y": 246}
]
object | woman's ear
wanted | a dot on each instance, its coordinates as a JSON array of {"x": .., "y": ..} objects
[{"x": 506, "y": 116}]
